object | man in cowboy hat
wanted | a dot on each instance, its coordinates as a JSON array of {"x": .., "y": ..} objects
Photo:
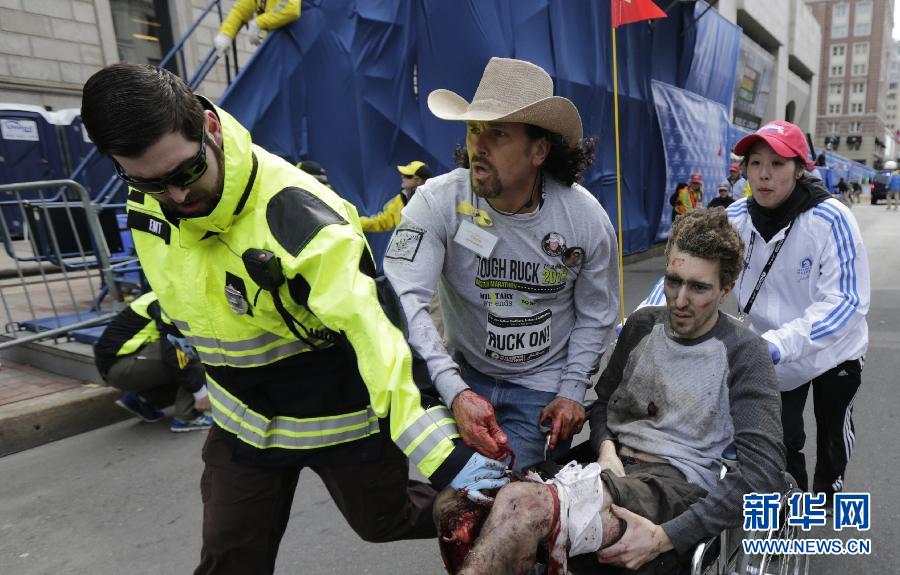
[{"x": 527, "y": 264}]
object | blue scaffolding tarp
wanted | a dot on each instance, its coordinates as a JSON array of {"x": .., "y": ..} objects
[{"x": 346, "y": 85}]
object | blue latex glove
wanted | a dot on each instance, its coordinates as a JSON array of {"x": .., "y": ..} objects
[
  {"x": 774, "y": 352},
  {"x": 480, "y": 473}
]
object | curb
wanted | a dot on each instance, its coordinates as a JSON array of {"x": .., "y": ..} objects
[{"x": 33, "y": 422}]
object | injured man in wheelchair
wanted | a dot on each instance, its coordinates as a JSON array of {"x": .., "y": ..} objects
[{"x": 684, "y": 383}]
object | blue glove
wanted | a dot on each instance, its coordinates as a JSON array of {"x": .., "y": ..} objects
[
  {"x": 774, "y": 352},
  {"x": 480, "y": 473}
]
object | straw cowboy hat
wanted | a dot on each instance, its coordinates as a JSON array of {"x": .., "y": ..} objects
[{"x": 512, "y": 91}]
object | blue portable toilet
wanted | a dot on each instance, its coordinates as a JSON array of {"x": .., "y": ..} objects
[
  {"x": 97, "y": 172},
  {"x": 29, "y": 151}
]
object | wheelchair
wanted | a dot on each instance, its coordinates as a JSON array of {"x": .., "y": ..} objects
[{"x": 723, "y": 554}]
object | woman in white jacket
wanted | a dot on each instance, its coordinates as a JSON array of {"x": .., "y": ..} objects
[{"x": 805, "y": 289}]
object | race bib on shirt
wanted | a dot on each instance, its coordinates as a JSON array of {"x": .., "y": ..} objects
[{"x": 518, "y": 339}]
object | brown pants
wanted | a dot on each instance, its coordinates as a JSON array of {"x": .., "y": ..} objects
[{"x": 246, "y": 508}]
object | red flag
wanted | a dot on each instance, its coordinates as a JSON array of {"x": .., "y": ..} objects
[{"x": 628, "y": 11}]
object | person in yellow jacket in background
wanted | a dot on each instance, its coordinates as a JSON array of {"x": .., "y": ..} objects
[
  {"x": 260, "y": 16},
  {"x": 268, "y": 275},
  {"x": 691, "y": 195},
  {"x": 412, "y": 175}
]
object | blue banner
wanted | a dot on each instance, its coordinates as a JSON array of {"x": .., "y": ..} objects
[{"x": 695, "y": 134}]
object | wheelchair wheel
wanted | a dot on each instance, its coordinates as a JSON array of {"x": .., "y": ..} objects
[{"x": 775, "y": 564}]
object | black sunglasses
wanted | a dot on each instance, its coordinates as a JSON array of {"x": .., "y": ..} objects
[{"x": 184, "y": 175}]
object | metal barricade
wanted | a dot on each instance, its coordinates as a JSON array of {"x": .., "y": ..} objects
[{"x": 55, "y": 279}]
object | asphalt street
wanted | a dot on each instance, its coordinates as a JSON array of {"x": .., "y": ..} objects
[{"x": 126, "y": 498}]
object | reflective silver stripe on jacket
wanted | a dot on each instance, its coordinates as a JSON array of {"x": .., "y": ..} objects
[
  {"x": 288, "y": 432},
  {"x": 216, "y": 351},
  {"x": 240, "y": 345},
  {"x": 437, "y": 423},
  {"x": 261, "y": 358}
]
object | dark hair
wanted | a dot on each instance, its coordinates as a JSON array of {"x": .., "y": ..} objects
[
  {"x": 565, "y": 163},
  {"x": 126, "y": 108},
  {"x": 706, "y": 233}
]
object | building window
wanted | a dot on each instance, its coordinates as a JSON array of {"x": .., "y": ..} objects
[
  {"x": 856, "y": 107},
  {"x": 858, "y": 88},
  {"x": 835, "y": 89},
  {"x": 834, "y": 127},
  {"x": 860, "y": 49},
  {"x": 838, "y": 50},
  {"x": 837, "y": 71},
  {"x": 855, "y": 127},
  {"x": 860, "y": 69},
  {"x": 840, "y": 20},
  {"x": 862, "y": 21},
  {"x": 834, "y": 109},
  {"x": 143, "y": 30}
]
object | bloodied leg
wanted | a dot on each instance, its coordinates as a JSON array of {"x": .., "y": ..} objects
[{"x": 528, "y": 521}]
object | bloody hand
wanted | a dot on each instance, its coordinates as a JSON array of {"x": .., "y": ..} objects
[
  {"x": 478, "y": 426},
  {"x": 567, "y": 418}
]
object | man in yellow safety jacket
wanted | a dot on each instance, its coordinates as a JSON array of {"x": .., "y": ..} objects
[
  {"x": 268, "y": 275},
  {"x": 260, "y": 16},
  {"x": 412, "y": 175}
]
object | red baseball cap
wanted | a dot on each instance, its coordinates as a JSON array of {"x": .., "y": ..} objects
[
  {"x": 786, "y": 139},
  {"x": 696, "y": 178}
]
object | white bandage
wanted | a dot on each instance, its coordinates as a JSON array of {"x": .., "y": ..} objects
[{"x": 580, "y": 492}]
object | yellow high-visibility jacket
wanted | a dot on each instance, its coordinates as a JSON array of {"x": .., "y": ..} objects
[
  {"x": 280, "y": 397},
  {"x": 389, "y": 217},
  {"x": 133, "y": 328},
  {"x": 270, "y": 14},
  {"x": 688, "y": 199}
]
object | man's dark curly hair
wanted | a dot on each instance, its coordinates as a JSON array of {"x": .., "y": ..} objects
[
  {"x": 706, "y": 233},
  {"x": 565, "y": 163}
]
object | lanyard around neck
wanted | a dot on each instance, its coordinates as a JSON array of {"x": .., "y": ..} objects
[{"x": 765, "y": 271}]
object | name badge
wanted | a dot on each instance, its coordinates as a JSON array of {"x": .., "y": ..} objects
[{"x": 479, "y": 240}]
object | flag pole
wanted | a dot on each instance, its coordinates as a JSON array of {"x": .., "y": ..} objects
[{"x": 618, "y": 177}]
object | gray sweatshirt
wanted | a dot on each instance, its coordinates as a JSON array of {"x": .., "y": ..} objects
[
  {"x": 685, "y": 400},
  {"x": 536, "y": 312}
]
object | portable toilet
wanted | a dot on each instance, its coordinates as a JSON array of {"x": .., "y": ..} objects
[
  {"x": 97, "y": 169},
  {"x": 29, "y": 151}
]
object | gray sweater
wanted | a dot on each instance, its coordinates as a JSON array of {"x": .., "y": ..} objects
[
  {"x": 527, "y": 313},
  {"x": 685, "y": 401}
]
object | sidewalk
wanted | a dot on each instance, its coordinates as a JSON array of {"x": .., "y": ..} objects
[{"x": 38, "y": 405}]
